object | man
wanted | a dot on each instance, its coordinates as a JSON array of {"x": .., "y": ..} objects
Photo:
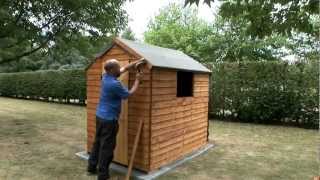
[{"x": 107, "y": 114}]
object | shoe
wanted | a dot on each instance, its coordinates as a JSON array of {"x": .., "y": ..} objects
[
  {"x": 92, "y": 170},
  {"x": 114, "y": 178},
  {"x": 106, "y": 177}
]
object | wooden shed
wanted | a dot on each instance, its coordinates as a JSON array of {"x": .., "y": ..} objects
[{"x": 172, "y": 101}]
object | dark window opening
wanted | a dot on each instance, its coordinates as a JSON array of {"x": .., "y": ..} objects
[{"x": 184, "y": 84}]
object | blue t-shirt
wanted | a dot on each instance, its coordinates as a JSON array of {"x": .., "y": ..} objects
[{"x": 112, "y": 92}]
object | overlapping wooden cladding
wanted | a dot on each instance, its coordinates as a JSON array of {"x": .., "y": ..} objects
[
  {"x": 93, "y": 88},
  {"x": 178, "y": 124},
  {"x": 139, "y": 103},
  {"x": 93, "y": 75},
  {"x": 138, "y": 109},
  {"x": 173, "y": 126}
]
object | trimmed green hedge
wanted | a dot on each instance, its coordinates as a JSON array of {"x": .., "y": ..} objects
[
  {"x": 261, "y": 92},
  {"x": 61, "y": 85},
  {"x": 266, "y": 92}
]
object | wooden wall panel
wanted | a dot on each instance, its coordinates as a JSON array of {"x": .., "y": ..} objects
[
  {"x": 139, "y": 103},
  {"x": 139, "y": 109},
  {"x": 93, "y": 76},
  {"x": 121, "y": 151},
  {"x": 178, "y": 124},
  {"x": 173, "y": 126}
]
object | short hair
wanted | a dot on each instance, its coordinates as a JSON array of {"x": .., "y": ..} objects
[{"x": 110, "y": 64}]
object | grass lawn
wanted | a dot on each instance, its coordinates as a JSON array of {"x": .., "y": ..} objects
[{"x": 38, "y": 140}]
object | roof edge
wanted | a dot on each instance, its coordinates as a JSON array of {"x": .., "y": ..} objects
[
  {"x": 186, "y": 70},
  {"x": 99, "y": 55},
  {"x": 126, "y": 47},
  {"x": 123, "y": 45},
  {"x": 119, "y": 42}
]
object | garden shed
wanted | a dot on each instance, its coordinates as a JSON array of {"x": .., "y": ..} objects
[{"x": 172, "y": 101}]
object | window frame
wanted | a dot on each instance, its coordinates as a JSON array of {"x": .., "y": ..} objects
[{"x": 188, "y": 76}]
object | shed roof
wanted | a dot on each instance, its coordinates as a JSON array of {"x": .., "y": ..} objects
[{"x": 161, "y": 57}]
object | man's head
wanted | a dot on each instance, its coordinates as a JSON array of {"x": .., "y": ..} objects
[{"x": 112, "y": 67}]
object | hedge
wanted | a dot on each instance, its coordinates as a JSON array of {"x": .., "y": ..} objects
[
  {"x": 261, "y": 92},
  {"x": 266, "y": 92},
  {"x": 61, "y": 85}
]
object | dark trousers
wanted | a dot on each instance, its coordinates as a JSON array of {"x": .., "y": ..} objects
[{"x": 105, "y": 142}]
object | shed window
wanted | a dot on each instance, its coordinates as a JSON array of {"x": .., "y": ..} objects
[{"x": 184, "y": 84}]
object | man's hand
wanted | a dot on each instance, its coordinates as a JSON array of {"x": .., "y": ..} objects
[
  {"x": 136, "y": 83},
  {"x": 136, "y": 64},
  {"x": 139, "y": 76},
  {"x": 140, "y": 63}
]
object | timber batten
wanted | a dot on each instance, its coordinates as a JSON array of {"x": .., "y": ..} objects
[{"x": 173, "y": 126}]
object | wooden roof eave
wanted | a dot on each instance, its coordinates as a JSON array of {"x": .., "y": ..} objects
[
  {"x": 116, "y": 41},
  {"x": 131, "y": 51},
  {"x": 99, "y": 55}
]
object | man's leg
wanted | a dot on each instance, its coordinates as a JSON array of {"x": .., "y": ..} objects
[
  {"x": 94, "y": 155},
  {"x": 108, "y": 141},
  {"x": 114, "y": 141}
]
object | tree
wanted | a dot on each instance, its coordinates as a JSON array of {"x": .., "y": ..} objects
[
  {"x": 128, "y": 34},
  {"x": 178, "y": 28},
  {"x": 267, "y": 17},
  {"x": 197, "y": 2},
  {"x": 225, "y": 40},
  {"x": 229, "y": 42},
  {"x": 77, "y": 52},
  {"x": 28, "y": 26}
]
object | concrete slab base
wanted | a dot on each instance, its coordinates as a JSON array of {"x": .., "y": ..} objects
[{"x": 140, "y": 175}]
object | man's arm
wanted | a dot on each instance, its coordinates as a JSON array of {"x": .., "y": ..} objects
[
  {"x": 123, "y": 92},
  {"x": 131, "y": 65},
  {"x": 127, "y": 67},
  {"x": 136, "y": 83}
]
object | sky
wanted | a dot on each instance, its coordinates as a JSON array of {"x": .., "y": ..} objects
[{"x": 141, "y": 11}]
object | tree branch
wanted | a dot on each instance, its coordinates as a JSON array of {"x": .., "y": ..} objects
[
  {"x": 21, "y": 10},
  {"x": 23, "y": 54},
  {"x": 16, "y": 58},
  {"x": 51, "y": 20}
]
